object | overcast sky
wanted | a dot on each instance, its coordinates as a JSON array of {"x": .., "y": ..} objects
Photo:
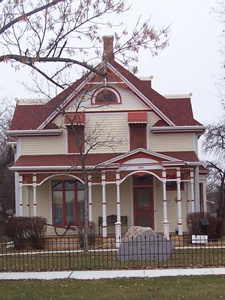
[{"x": 191, "y": 62}]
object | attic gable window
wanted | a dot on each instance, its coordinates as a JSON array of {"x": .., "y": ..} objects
[{"x": 106, "y": 95}]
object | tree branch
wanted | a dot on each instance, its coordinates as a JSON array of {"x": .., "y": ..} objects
[{"x": 30, "y": 13}]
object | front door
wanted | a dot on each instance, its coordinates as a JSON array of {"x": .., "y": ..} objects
[{"x": 143, "y": 201}]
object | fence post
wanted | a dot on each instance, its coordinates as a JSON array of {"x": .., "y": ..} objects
[{"x": 118, "y": 233}]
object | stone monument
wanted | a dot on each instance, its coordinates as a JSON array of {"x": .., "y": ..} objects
[{"x": 143, "y": 243}]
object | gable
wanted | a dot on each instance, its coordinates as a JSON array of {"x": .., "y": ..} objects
[
  {"x": 140, "y": 156},
  {"x": 135, "y": 94}
]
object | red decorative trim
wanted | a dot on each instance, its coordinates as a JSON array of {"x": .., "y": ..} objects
[
  {"x": 117, "y": 202},
  {"x": 178, "y": 200},
  {"x": 78, "y": 118},
  {"x": 35, "y": 204},
  {"x": 90, "y": 203},
  {"x": 21, "y": 204},
  {"x": 179, "y": 223},
  {"x": 109, "y": 88},
  {"x": 28, "y": 204},
  {"x": 137, "y": 117}
]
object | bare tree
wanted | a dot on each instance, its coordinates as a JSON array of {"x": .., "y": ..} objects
[
  {"x": 66, "y": 33},
  {"x": 6, "y": 160},
  {"x": 85, "y": 142},
  {"x": 213, "y": 144}
]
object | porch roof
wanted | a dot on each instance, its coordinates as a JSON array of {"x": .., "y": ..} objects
[{"x": 63, "y": 161}]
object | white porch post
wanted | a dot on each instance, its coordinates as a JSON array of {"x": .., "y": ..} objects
[
  {"x": 34, "y": 195},
  {"x": 21, "y": 195},
  {"x": 196, "y": 183},
  {"x": 179, "y": 209},
  {"x": 166, "y": 230},
  {"x": 188, "y": 198},
  {"x": 90, "y": 197},
  {"x": 28, "y": 202},
  {"x": 104, "y": 219},
  {"x": 118, "y": 223},
  {"x": 192, "y": 191}
]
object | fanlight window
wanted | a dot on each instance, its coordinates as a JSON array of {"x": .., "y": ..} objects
[{"x": 106, "y": 96}]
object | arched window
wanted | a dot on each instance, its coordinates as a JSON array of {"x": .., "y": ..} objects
[{"x": 106, "y": 95}]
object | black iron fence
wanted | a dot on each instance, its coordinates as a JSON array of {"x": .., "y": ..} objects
[{"x": 134, "y": 253}]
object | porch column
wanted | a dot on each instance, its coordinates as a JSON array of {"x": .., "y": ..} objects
[
  {"x": 21, "y": 195},
  {"x": 179, "y": 209},
  {"x": 192, "y": 191},
  {"x": 90, "y": 197},
  {"x": 104, "y": 219},
  {"x": 166, "y": 230},
  {"x": 196, "y": 183},
  {"x": 34, "y": 195},
  {"x": 188, "y": 198},
  {"x": 28, "y": 202},
  {"x": 118, "y": 223}
]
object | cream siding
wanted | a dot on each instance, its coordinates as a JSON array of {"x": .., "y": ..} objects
[
  {"x": 109, "y": 132},
  {"x": 43, "y": 145},
  {"x": 152, "y": 118},
  {"x": 171, "y": 142}
]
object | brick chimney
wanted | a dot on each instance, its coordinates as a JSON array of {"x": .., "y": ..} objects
[{"x": 108, "y": 47}]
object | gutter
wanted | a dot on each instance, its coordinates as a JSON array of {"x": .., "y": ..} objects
[
  {"x": 35, "y": 132},
  {"x": 194, "y": 164},
  {"x": 162, "y": 129},
  {"x": 48, "y": 168}
]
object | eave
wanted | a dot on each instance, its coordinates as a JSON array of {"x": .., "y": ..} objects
[
  {"x": 178, "y": 129},
  {"x": 45, "y": 132},
  {"x": 48, "y": 168}
]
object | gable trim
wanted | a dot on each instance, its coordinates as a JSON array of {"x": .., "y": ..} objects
[
  {"x": 131, "y": 153},
  {"x": 65, "y": 102},
  {"x": 143, "y": 97}
]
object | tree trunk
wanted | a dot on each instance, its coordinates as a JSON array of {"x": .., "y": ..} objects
[{"x": 86, "y": 219}]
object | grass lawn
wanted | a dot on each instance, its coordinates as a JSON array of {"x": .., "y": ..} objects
[{"x": 185, "y": 287}]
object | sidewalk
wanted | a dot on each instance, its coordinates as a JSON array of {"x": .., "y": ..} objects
[{"x": 110, "y": 274}]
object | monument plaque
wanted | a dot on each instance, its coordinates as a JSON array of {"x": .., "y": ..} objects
[{"x": 143, "y": 243}]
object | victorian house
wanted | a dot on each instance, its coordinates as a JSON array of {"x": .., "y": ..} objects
[{"x": 139, "y": 148}]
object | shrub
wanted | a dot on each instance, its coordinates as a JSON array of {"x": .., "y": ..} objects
[
  {"x": 214, "y": 229},
  {"x": 91, "y": 234},
  {"x": 26, "y": 231}
]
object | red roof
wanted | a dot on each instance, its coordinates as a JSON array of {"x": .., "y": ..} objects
[
  {"x": 179, "y": 111},
  {"x": 189, "y": 156},
  {"x": 61, "y": 160},
  {"x": 73, "y": 160}
]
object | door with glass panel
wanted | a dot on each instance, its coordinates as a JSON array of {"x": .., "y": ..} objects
[
  {"x": 143, "y": 201},
  {"x": 67, "y": 202}
]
